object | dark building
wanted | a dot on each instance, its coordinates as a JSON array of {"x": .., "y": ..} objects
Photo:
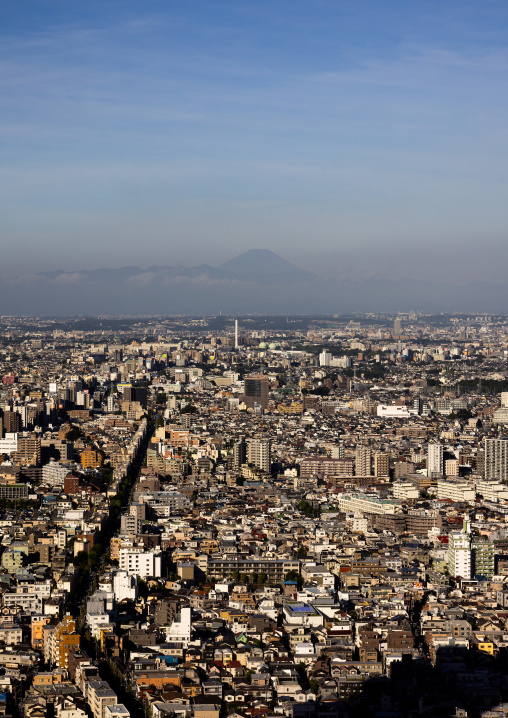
[
  {"x": 71, "y": 484},
  {"x": 12, "y": 422},
  {"x": 136, "y": 393},
  {"x": 256, "y": 391}
]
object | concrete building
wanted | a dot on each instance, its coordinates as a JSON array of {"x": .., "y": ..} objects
[
  {"x": 405, "y": 490},
  {"x": 496, "y": 459},
  {"x": 492, "y": 490},
  {"x": 258, "y": 453},
  {"x": 363, "y": 456},
  {"x": 381, "y": 465},
  {"x": 459, "y": 554},
  {"x": 137, "y": 562},
  {"x": 256, "y": 391},
  {"x": 325, "y": 358},
  {"x": 483, "y": 557},
  {"x": 351, "y": 503},
  {"x": 59, "y": 641},
  {"x": 456, "y": 490},
  {"x": 435, "y": 460},
  {"x": 125, "y": 586}
]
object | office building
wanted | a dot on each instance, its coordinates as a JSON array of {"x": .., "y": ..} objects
[{"x": 256, "y": 391}]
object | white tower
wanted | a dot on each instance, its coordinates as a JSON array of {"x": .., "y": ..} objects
[{"x": 236, "y": 333}]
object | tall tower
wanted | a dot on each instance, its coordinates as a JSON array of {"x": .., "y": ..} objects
[{"x": 236, "y": 333}]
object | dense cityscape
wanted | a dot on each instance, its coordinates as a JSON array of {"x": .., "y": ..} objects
[{"x": 298, "y": 516}]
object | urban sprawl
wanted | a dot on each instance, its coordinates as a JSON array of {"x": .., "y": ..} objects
[{"x": 204, "y": 517}]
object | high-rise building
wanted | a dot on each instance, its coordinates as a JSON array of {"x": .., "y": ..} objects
[
  {"x": 239, "y": 453},
  {"x": 459, "y": 553},
  {"x": 363, "y": 460},
  {"x": 256, "y": 391},
  {"x": 435, "y": 458},
  {"x": 28, "y": 451},
  {"x": 325, "y": 358},
  {"x": 397, "y": 327},
  {"x": 337, "y": 451},
  {"x": 258, "y": 453},
  {"x": 483, "y": 558},
  {"x": 59, "y": 641},
  {"x": 12, "y": 422},
  {"x": 381, "y": 464},
  {"x": 496, "y": 459}
]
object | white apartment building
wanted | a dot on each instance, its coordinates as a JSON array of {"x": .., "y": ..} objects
[
  {"x": 456, "y": 490},
  {"x": 492, "y": 490},
  {"x": 258, "y": 453},
  {"x": 435, "y": 460},
  {"x": 138, "y": 562},
  {"x": 9, "y": 443},
  {"x": 459, "y": 554},
  {"x": 180, "y": 630},
  {"x": 325, "y": 358},
  {"x": 125, "y": 586},
  {"x": 361, "y": 503},
  {"x": 405, "y": 490},
  {"x": 68, "y": 709},
  {"x": 54, "y": 473},
  {"x": 392, "y": 411}
]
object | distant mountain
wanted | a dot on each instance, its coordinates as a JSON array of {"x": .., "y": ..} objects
[
  {"x": 259, "y": 263},
  {"x": 260, "y": 266},
  {"x": 256, "y": 281}
]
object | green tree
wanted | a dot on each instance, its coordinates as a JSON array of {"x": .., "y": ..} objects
[{"x": 314, "y": 685}]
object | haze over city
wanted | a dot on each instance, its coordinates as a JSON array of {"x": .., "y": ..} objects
[{"x": 364, "y": 142}]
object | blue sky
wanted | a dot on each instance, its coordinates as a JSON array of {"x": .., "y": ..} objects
[{"x": 349, "y": 137}]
